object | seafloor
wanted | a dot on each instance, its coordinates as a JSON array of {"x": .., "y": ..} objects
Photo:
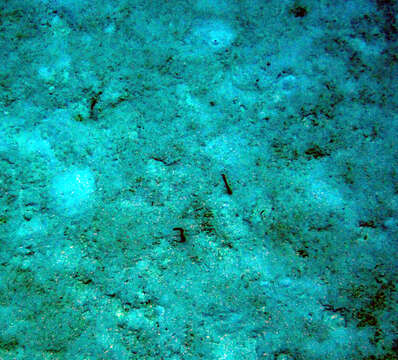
[{"x": 211, "y": 180}]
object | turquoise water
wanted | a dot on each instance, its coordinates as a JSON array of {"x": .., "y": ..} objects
[{"x": 201, "y": 179}]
